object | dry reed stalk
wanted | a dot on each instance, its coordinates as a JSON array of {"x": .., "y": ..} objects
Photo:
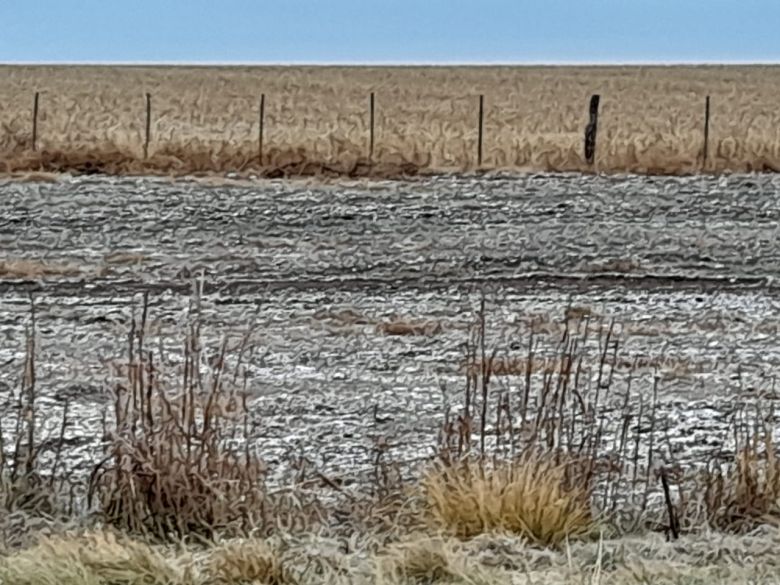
[
  {"x": 745, "y": 492},
  {"x": 171, "y": 467},
  {"x": 561, "y": 414},
  {"x": 25, "y": 482}
]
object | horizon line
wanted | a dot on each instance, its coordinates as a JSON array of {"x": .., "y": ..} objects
[{"x": 421, "y": 63}]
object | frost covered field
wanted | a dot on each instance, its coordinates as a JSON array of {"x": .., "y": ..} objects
[
  {"x": 358, "y": 299},
  {"x": 685, "y": 266}
]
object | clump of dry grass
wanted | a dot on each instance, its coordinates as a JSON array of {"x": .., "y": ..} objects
[
  {"x": 406, "y": 327},
  {"x": 196, "y": 159},
  {"x": 248, "y": 561},
  {"x": 533, "y": 497},
  {"x": 746, "y": 493},
  {"x": 426, "y": 559},
  {"x": 178, "y": 461},
  {"x": 95, "y": 558},
  {"x": 28, "y": 268}
]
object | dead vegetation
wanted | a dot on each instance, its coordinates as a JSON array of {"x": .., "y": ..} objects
[
  {"x": 32, "y": 481},
  {"x": 407, "y": 327},
  {"x": 35, "y": 269},
  {"x": 248, "y": 561},
  {"x": 345, "y": 320},
  {"x": 206, "y": 120},
  {"x": 667, "y": 366},
  {"x": 425, "y": 559},
  {"x": 91, "y": 559},
  {"x": 99, "y": 558},
  {"x": 534, "y": 497},
  {"x": 556, "y": 405},
  {"x": 742, "y": 494},
  {"x": 172, "y": 467},
  {"x": 536, "y": 460}
]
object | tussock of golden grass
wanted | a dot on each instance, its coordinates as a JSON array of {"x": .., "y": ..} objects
[
  {"x": 531, "y": 497},
  {"x": 24, "y": 268},
  {"x": 97, "y": 558},
  {"x": 92, "y": 119},
  {"x": 249, "y": 561}
]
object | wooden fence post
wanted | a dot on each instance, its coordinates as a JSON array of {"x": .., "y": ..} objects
[
  {"x": 371, "y": 128},
  {"x": 148, "y": 124},
  {"x": 706, "y": 130},
  {"x": 479, "y": 132},
  {"x": 674, "y": 520},
  {"x": 35, "y": 123},
  {"x": 260, "y": 129},
  {"x": 592, "y": 129}
]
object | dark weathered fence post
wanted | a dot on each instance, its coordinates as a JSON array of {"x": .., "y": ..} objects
[
  {"x": 260, "y": 130},
  {"x": 479, "y": 134},
  {"x": 371, "y": 128},
  {"x": 674, "y": 520},
  {"x": 706, "y": 130},
  {"x": 148, "y": 124},
  {"x": 592, "y": 129},
  {"x": 35, "y": 122}
]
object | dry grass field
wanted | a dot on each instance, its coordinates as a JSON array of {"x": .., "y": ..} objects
[{"x": 316, "y": 118}]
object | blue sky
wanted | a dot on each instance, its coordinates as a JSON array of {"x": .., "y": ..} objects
[{"x": 391, "y": 31}]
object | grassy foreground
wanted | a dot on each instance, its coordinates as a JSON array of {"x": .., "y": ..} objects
[{"x": 99, "y": 558}]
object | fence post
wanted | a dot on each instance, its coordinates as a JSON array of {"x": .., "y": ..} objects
[
  {"x": 371, "y": 126},
  {"x": 148, "y": 124},
  {"x": 706, "y": 130},
  {"x": 592, "y": 129},
  {"x": 35, "y": 123},
  {"x": 260, "y": 129},
  {"x": 479, "y": 133}
]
